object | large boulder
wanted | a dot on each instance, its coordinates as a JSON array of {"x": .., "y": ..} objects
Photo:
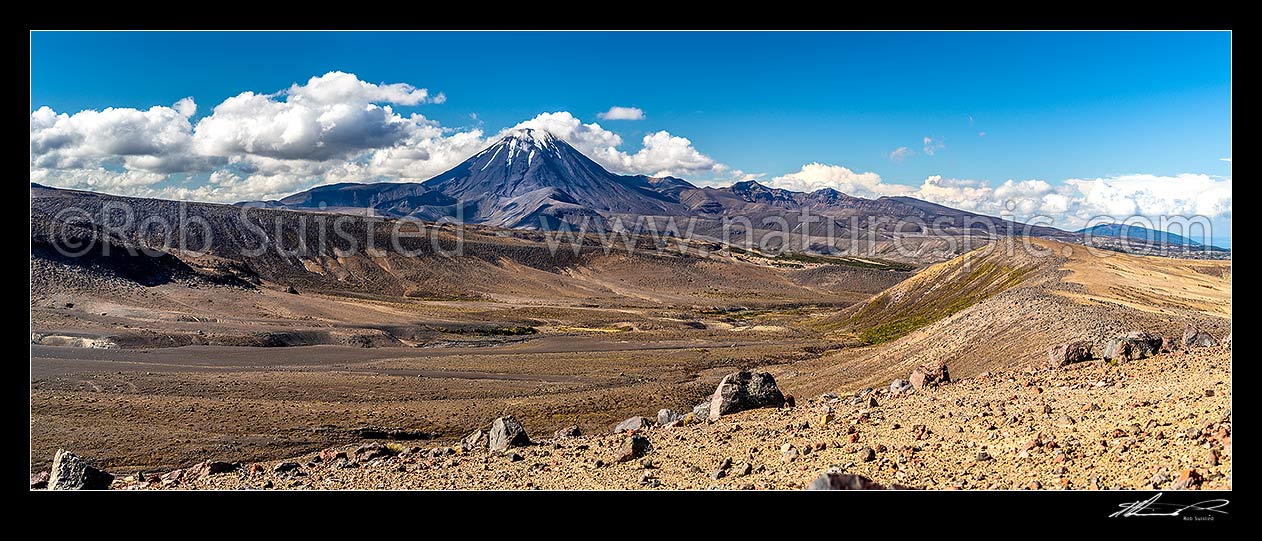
[
  {"x": 930, "y": 375},
  {"x": 507, "y": 432},
  {"x": 1194, "y": 337},
  {"x": 745, "y": 390},
  {"x": 1132, "y": 346},
  {"x": 71, "y": 473},
  {"x": 634, "y": 424},
  {"x": 1065, "y": 354},
  {"x": 899, "y": 386}
]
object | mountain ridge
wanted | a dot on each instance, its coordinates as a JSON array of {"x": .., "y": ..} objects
[{"x": 531, "y": 179}]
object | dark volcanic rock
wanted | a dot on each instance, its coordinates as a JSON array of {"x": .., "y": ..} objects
[
  {"x": 371, "y": 451},
  {"x": 1193, "y": 337},
  {"x": 376, "y": 433},
  {"x": 744, "y": 390},
  {"x": 210, "y": 467},
  {"x": 507, "y": 432},
  {"x": 1132, "y": 346},
  {"x": 842, "y": 481},
  {"x": 70, "y": 472},
  {"x": 1072, "y": 352}
]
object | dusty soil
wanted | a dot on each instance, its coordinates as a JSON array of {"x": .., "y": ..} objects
[
  {"x": 1138, "y": 425},
  {"x": 172, "y": 374}
]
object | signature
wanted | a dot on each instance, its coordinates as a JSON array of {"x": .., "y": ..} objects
[{"x": 1153, "y": 508}]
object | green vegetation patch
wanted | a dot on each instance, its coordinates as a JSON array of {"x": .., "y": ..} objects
[
  {"x": 879, "y": 322},
  {"x": 867, "y": 263}
]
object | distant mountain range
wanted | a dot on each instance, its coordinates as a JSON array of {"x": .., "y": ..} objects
[
  {"x": 1136, "y": 232},
  {"x": 531, "y": 179}
]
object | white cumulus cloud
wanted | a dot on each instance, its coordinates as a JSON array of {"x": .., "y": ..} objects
[
  {"x": 331, "y": 128},
  {"x": 661, "y": 153},
  {"x": 817, "y": 176},
  {"x": 1070, "y": 204},
  {"x": 622, "y": 113}
]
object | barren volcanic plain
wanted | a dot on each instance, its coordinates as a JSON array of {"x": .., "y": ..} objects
[{"x": 227, "y": 358}]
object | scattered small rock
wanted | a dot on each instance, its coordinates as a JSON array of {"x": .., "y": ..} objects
[
  {"x": 788, "y": 452},
  {"x": 665, "y": 416},
  {"x": 634, "y": 424},
  {"x": 572, "y": 431},
  {"x": 371, "y": 451},
  {"x": 1188, "y": 479},
  {"x": 867, "y": 454},
  {"x": 633, "y": 447},
  {"x": 477, "y": 439},
  {"x": 40, "y": 480},
  {"x": 327, "y": 455}
]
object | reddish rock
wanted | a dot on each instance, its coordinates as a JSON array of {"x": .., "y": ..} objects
[
  {"x": 1188, "y": 479},
  {"x": 930, "y": 375},
  {"x": 40, "y": 480},
  {"x": 633, "y": 447},
  {"x": 331, "y": 455},
  {"x": 210, "y": 467},
  {"x": 1065, "y": 354}
]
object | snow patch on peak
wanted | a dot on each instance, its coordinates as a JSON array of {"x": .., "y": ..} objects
[{"x": 531, "y": 136}]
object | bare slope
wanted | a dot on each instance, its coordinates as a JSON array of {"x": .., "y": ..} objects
[{"x": 998, "y": 308}]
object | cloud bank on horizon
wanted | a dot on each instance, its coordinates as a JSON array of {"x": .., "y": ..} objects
[{"x": 338, "y": 128}]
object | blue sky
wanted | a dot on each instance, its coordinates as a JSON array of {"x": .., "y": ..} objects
[{"x": 1053, "y": 106}]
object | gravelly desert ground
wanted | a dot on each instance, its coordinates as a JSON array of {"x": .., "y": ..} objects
[{"x": 1162, "y": 422}]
